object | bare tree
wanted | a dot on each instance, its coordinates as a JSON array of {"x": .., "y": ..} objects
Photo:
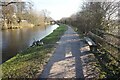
[{"x": 45, "y": 14}]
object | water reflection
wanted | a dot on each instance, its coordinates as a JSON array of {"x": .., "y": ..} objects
[{"x": 16, "y": 40}]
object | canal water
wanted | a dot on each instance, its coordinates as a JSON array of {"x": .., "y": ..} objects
[{"x": 14, "y": 41}]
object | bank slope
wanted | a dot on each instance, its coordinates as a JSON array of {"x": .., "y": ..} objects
[{"x": 30, "y": 63}]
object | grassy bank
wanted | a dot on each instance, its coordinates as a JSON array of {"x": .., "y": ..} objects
[{"x": 30, "y": 63}]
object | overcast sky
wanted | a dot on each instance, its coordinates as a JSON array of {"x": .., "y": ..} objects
[{"x": 58, "y": 8}]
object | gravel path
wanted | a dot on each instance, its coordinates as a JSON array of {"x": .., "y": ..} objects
[{"x": 66, "y": 61}]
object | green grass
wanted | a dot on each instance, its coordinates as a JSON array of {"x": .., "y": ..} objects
[
  {"x": 54, "y": 37},
  {"x": 29, "y": 63}
]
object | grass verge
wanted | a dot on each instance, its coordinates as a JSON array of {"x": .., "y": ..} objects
[{"x": 30, "y": 63}]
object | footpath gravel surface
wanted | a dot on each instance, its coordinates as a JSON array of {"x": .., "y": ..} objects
[{"x": 67, "y": 60}]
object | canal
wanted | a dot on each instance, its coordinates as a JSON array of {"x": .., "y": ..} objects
[{"x": 14, "y": 41}]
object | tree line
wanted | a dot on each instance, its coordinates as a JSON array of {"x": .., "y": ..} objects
[
  {"x": 13, "y": 13},
  {"x": 95, "y": 15}
]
